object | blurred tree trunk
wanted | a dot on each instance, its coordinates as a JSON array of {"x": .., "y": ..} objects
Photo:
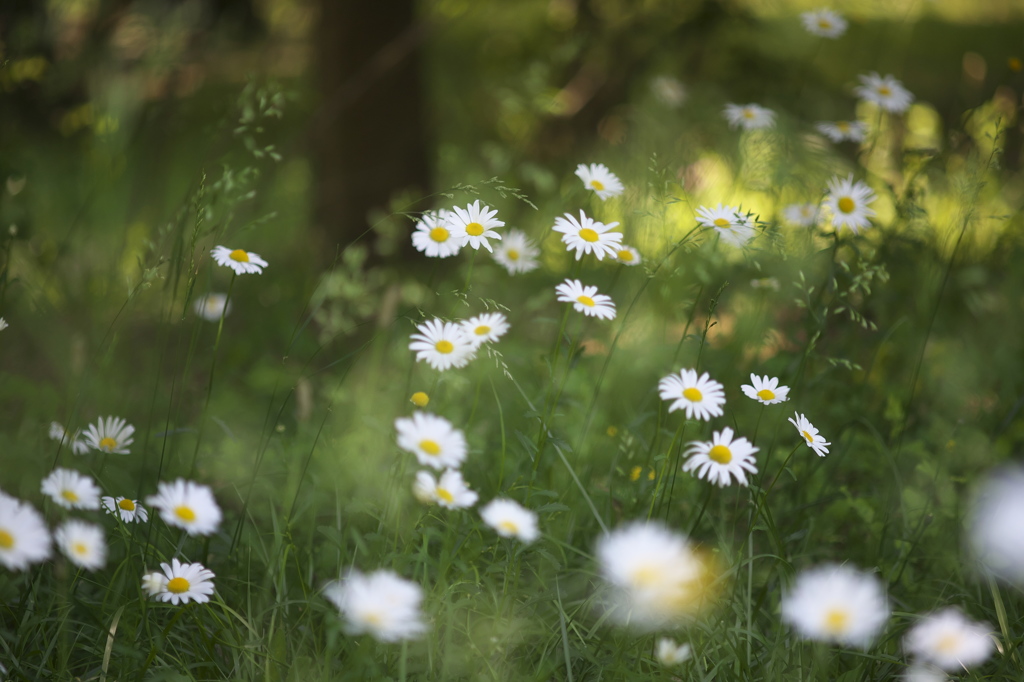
[{"x": 369, "y": 135}]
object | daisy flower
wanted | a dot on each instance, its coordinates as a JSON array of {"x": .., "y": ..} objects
[
  {"x": 180, "y": 583},
  {"x": 24, "y": 538},
  {"x": 382, "y": 604},
  {"x": 721, "y": 459},
  {"x": 920, "y": 672},
  {"x": 433, "y": 237},
  {"x": 814, "y": 440},
  {"x": 671, "y": 654},
  {"x": 242, "y": 262},
  {"x": 627, "y": 255},
  {"x": 510, "y": 520},
  {"x": 586, "y": 300},
  {"x": 486, "y": 328},
  {"x": 839, "y": 604},
  {"x": 765, "y": 390},
  {"x": 71, "y": 489},
  {"x": 188, "y": 505},
  {"x": 112, "y": 434},
  {"x": 450, "y": 492},
  {"x": 702, "y": 397},
  {"x": 824, "y": 23},
  {"x": 837, "y": 131},
  {"x": 748, "y": 116},
  {"x": 83, "y": 544},
  {"x": 885, "y": 91},
  {"x": 72, "y": 440},
  {"x": 848, "y": 201},
  {"x": 517, "y": 253},
  {"x": 3, "y": 324},
  {"x": 472, "y": 225},
  {"x": 586, "y": 235},
  {"x": 597, "y": 177},
  {"x": 434, "y": 441},
  {"x": 212, "y": 306},
  {"x": 801, "y": 215},
  {"x": 994, "y": 529},
  {"x": 949, "y": 640},
  {"x": 128, "y": 509},
  {"x": 669, "y": 91},
  {"x": 442, "y": 345},
  {"x": 733, "y": 228}
]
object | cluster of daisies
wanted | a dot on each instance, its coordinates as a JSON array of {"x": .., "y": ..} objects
[
  {"x": 109, "y": 435},
  {"x": 444, "y": 345}
]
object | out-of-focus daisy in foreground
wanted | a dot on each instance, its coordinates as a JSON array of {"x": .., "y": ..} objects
[
  {"x": 748, "y": 116},
  {"x": 824, "y": 23},
  {"x": 700, "y": 397},
  {"x": 885, "y": 91},
  {"x": 994, "y": 528},
  {"x": 486, "y": 328},
  {"x": 801, "y": 215},
  {"x": 814, "y": 440},
  {"x": 837, "y": 131},
  {"x": 627, "y": 255},
  {"x": 587, "y": 235},
  {"x": 433, "y": 439},
  {"x": 765, "y": 390},
  {"x": 128, "y": 509},
  {"x": 848, "y": 202},
  {"x": 112, "y": 434},
  {"x": 671, "y": 654},
  {"x": 212, "y": 306},
  {"x": 242, "y": 262},
  {"x": 669, "y": 91},
  {"x": 450, "y": 492},
  {"x": 24, "y": 538},
  {"x": 721, "y": 459},
  {"x": 82, "y": 543},
  {"x": 950, "y": 641},
  {"x": 180, "y": 583},
  {"x": 154, "y": 583},
  {"x": 731, "y": 226},
  {"x": 922, "y": 672},
  {"x": 71, "y": 489},
  {"x": 511, "y": 520},
  {"x": 598, "y": 178},
  {"x": 839, "y": 604},
  {"x": 71, "y": 440},
  {"x": 517, "y": 253},
  {"x": 382, "y": 604},
  {"x": 585, "y": 299},
  {"x": 442, "y": 345},
  {"x": 433, "y": 237},
  {"x": 188, "y": 505},
  {"x": 471, "y": 226}
]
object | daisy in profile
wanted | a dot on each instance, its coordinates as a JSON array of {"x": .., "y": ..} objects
[
  {"x": 627, "y": 255},
  {"x": 848, "y": 201},
  {"x": 511, "y": 520},
  {"x": 765, "y": 390},
  {"x": 450, "y": 492},
  {"x": 24, "y": 538},
  {"x": 748, "y": 116},
  {"x": 381, "y": 604},
  {"x": 517, "y": 253},
  {"x": 433, "y": 237},
  {"x": 442, "y": 345},
  {"x": 71, "y": 489},
  {"x": 824, "y": 23},
  {"x": 83, "y": 544},
  {"x": 188, "y": 505},
  {"x": 598, "y": 178},
  {"x": 801, "y": 215},
  {"x": 71, "y": 440},
  {"x": 731, "y": 226},
  {"x": 838, "y": 604},
  {"x": 112, "y": 434},
  {"x": 671, "y": 654},
  {"x": 885, "y": 91},
  {"x": 212, "y": 306},
  {"x": 586, "y": 235},
  {"x": 814, "y": 440},
  {"x": 486, "y": 328},
  {"x": 129, "y": 510},
  {"x": 721, "y": 459},
  {"x": 180, "y": 583},
  {"x": 472, "y": 225},
  {"x": 837, "y": 131},
  {"x": 948, "y": 640},
  {"x": 701, "y": 397},
  {"x": 994, "y": 530},
  {"x": 586, "y": 300},
  {"x": 433, "y": 439},
  {"x": 242, "y": 262}
]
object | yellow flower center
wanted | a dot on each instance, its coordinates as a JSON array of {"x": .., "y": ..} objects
[
  {"x": 836, "y": 620},
  {"x": 720, "y": 454},
  {"x": 185, "y": 513},
  {"x": 107, "y": 443},
  {"x": 846, "y": 205},
  {"x": 69, "y": 495},
  {"x": 625, "y": 255},
  {"x": 482, "y": 330},
  {"x": 948, "y": 643},
  {"x": 586, "y": 300},
  {"x": 808, "y": 436},
  {"x": 177, "y": 585},
  {"x": 79, "y": 548},
  {"x": 6, "y": 540},
  {"x": 693, "y": 395},
  {"x": 512, "y": 254},
  {"x": 884, "y": 90},
  {"x": 644, "y": 576},
  {"x": 474, "y": 229},
  {"x": 721, "y": 222},
  {"x": 597, "y": 184},
  {"x": 239, "y": 255},
  {"x": 439, "y": 234},
  {"x": 843, "y": 126},
  {"x": 445, "y": 495},
  {"x": 589, "y": 235},
  {"x": 126, "y": 504},
  {"x": 444, "y": 346},
  {"x": 765, "y": 394},
  {"x": 420, "y": 399},
  {"x": 374, "y": 618},
  {"x": 824, "y": 24},
  {"x": 509, "y": 526},
  {"x": 747, "y": 113},
  {"x": 430, "y": 447}
]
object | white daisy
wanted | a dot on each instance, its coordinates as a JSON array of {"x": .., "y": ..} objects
[
  {"x": 112, "y": 434},
  {"x": 180, "y": 583},
  {"x": 72, "y": 440},
  {"x": 450, "y": 492},
  {"x": 82, "y": 543},
  {"x": 433, "y": 237},
  {"x": 188, "y": 505},
  {"x": 71, "y": 489},
  {"x": 949, "y": 640},
  {"x": 921, "y": 672},
  {"x": 885, "y": 91},
  {"x": 731, "y": 226},
  {"x": 701, "y": 397},
  {"x": 627, "y": 255},
  {"x": 748, "y": 116},
  {"x": 824, "y": 23},
  {"x": 721, "y": 459},
  {"x": 433, "y": 439},
  {"x": 517, "y": 252},
  {"x": 598, "y": 178},
  {"x": 128, "y": 509},
  {"x": 3, "y": 324},
  {"x": 801, "y": 215},
  {"x": 212, "y": 306},
  {"x": 587, "y": 235},
  {"x": 836, "y": 604},
  {"x": 994, "y": 527},
  {"x": 511, "y": 520},
  {"x": 765, "y": 390},
  {"x": 669, "y": 91},
  {"x": 586, "y": 300},
  {"x": 242, "y": 262},
  {"x": 814, "y": 440},
  {"x": 837, "y": 131},
  {"x": 472, "y": 225},
  {"x": 848, "y": 201},
  {"x": 442, "y": 345},
  {"x": 24, "y": 538},
  {"x": 671, "y": 654},
  {"x": 486, "y": 328},
  {"x": 382, "y": 604}
]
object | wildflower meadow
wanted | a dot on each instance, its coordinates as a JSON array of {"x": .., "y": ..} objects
[{"x": 724, "y": 384}]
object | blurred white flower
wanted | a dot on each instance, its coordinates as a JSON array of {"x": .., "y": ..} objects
[
  {"x": 700, "y": 397},
  {"x": 382, "y": 604},
  {"x": 995, "y": 529},
  {"x": 835, "y": 603},
  {"x": 587, "y": 235},
  {"x": 848, "y": 202},
  {"x": 433, "y": 237},
  {"x": 24, "y": 538},
  {"x": 949, "y": 640},
  {"x": 885, "y": 91},
  {"x": 671, "y": 654},
  {"x": 211, "y": 307},
  {"x": 824, "y": 23},
  {"x": 627, "y": 255},
  {"x": 732, "y": 227},
  {"x": 450, "y": 492},
  {"x": 801, "y": 215},
  {"x": 82, "y": 543},
  {"x": 71, "y": 440},
  {"x": 837, "y": 131},
  {"x": 128, "y": 509},
  {"x": 721, "y": 459},
  {"x": 748, "y": 116},
  {"x": 517, "y": 253},
  {"x": 433, "y": 439},
  {"x": 71, "y": 489},
  {"x": 511, "y": 520},
  {"x": 180, "y": 583},
  {"x": 112, "y": 434},
  {"x": 585, "y": 299},
  {"x": 486, "y": 328},
  {"x": 442, "y": 345},
  {"x": 669, "y": 91}
]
